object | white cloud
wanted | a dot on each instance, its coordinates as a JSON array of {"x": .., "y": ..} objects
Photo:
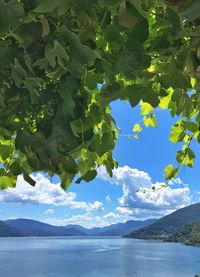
[
  {"x": 124, "y": 211},
  {"x": 110, "y": 215},
  {"x": 47, "y": 193},
  {"x": 128, "y": 213},
  {"x": 108, "y": 199},
  {"x": 14, "y": 217},
  {"x": 87, "y": 220},
  {"x": 176, "y": 181},
  {"x": 97, "y": 206},
  {"x": 76, "y": 219},
  {"x": 49, "y": 211},
  {"x": 139, "y": 199}
]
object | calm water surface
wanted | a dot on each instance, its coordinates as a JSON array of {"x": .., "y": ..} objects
[{"x": 96, "y": 257}]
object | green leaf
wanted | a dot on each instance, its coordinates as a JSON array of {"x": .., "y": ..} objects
[
  {"x": 164, "y": 101},
  {"x": 66, "y": 180},
  {"x": 60, "y": 53},
  {"x": 11, "y": 15},
  {"x": 80, "y": 52},
  {"x": 68, "y": 88},
  {"x": 107, "y": 140},
  {"x": 128, "y": 64},
  {"x": 137, "y": 128},
  {"x": 150, "y": 121},
  {"x": 150, "y": 97},
  {"x": 101, "y": 145},
  {"x": 32, "y": 84},
  {"x": 49, "y": 55},
  {"x": 180, "y": 155},
  {"x": 18, "y": 73},
  {"x": 175, "y": 20},
  {"x": 7, "y": 182},
  {"x": 46, "y": 7},
  {"x": 5, "y": 151},
  {"x": 15, "y": 168},
  {"x": 93, "y": 79},
  {"x": 177, "y": 133},
  {"x": 28, "y": 33},
  {"x": 83, "y": 166},
  {"x": 56, "y": 53},
  {"x": 85, "y": 54},
  {"x": 138, "y": 4},
  {"x": 69, "y": 165},
  {"x": 181, "y": 81},
  {"x": 141, "y": 32},
  {"x": 128, "y": 16},
  {"x": 89, "y": 176},
  {"x": 185, "y": 158},
  {"x": 191, "y": 126},
  {"x": 170, "y": 172},
  {"x": 80, "y": 126},
  {"x": 51, "y": 5},
  {"x": 146, "y": 108},
  {"x": 107, "y": 3}
]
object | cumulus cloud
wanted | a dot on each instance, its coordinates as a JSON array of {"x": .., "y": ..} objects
[
  {"x": 47, "y": 193},
  {"x": 139, "y": 199},
  {"x": 80, "y": 219},
  {"x": 97, "y": 206},
  {"x": 108, "y": 199},
  {"x": 87, "y": 220},
  {"x": 49, "y": 211},
  {"x": 128, "y": 213},
  {"x": 176, "y": 181},
  {"x": 111, "y": 215}
]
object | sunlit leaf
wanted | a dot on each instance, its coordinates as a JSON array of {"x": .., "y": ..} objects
[
  {"x": 137, "y": 128},
  {"x": 170, "y": 172}
]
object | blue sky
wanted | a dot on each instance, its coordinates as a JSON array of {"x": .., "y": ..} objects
[{"x": 104, "y": 200}]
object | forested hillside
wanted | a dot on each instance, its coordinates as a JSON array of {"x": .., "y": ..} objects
[
  {"x": 8, "y": 231},
  {"x": 189, "y": 234},
  {"x": 168, "y": 225}
]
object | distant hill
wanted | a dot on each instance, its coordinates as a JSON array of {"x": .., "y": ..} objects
[
  {"x": 168, "y": 225},
  {"x": 8, "y": 231},
  {"x": 28, "y": 227},
  {"x": 121, "y": 229},
  {"x": 118, "y": 229},
  {"x": 188, "y": 234}
]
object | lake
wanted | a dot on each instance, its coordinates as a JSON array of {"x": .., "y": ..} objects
[{"x": 96, "y": 257}]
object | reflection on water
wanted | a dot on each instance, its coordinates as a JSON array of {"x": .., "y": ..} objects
[{"x": 96, "y": 257}]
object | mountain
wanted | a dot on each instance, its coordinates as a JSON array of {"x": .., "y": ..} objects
[
  {"x": 30, "y": 227},
  {"x": 80, "y": 228},
  {"x": 8, "y": 231},
  {"x": 188, "y": 234},
  {"x": 121, "y": 229},
  {"x": 168, "y": 225}
]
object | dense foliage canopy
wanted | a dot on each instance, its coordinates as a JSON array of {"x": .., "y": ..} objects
[
  {"x": 188, "y": 234},
  {"x": 53, "y": 53},
  {"x": 168, "y": 225}
]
